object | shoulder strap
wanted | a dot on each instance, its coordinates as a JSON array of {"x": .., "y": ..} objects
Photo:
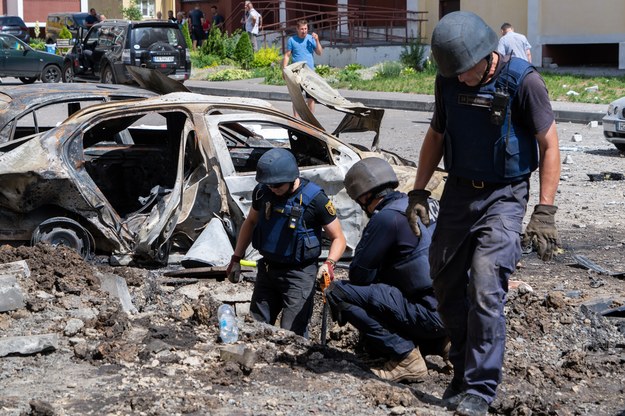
[{"x": 512, "y": 75}]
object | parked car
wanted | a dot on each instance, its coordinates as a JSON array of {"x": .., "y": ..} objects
[
  {"x": 14, "y": 25},
  {"x": 614, "y": 124},
  {"x": 112, "y": 45},
  {"x": 71, "y": 20},
  {"x": 132, "y": 179},
  {"x": 21, "y": 61},
  {"x": 26, "y": 110}
]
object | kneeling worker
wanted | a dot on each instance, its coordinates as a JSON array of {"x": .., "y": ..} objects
[
  {"x": 284, "y": 224},
  {"x": 389, "y": 296}
]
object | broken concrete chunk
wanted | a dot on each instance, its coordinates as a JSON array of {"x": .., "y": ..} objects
[
  {"x": 11, "y": 297},
  {"x": 73, "y": 327},
  {"x": 576, "y": 137},
  {"x": 15, "y": 268},
  {"x": 238, "y": 354},
  {"x": 27, "y": 345},
  {"x": 568, "y": 160},
  {"x": 116, "y": 286}
]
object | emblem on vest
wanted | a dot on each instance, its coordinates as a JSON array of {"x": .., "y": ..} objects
[{"x": 474, "y": 100}]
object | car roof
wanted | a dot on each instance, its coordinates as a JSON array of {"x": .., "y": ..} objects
[
  {"x": 18, "y": 20},
  {"x": 14, "y": 99}
]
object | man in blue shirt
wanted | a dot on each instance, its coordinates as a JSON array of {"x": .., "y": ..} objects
[{"x": 301, "y": 48}]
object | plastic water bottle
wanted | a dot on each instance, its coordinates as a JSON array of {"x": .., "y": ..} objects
[{"x": 228, "y": 329}]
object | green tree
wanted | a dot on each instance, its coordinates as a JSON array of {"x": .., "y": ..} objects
[
  {"x": 186, "y": 34},
  {"x": 214, "y": 45},
  {"x": 244, "y": 52},
  {"x": 132, "y": 12}
]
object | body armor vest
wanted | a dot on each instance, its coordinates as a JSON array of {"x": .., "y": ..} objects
[
  {"x": 478, "y": 144},
  {"x": 281, "y": 235}
]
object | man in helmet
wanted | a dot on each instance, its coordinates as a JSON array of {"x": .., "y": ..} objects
[
  {"x": 284, "y": 224},
  {"x": 389, "y": 296},
  {"x": 493, "y": 126}
]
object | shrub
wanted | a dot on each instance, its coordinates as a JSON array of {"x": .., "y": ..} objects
[
  {"x": 322, "y": 70},
  {"x": 348, "y": 75},
  {"x": 186, "y": 34},
  {"x": 37, "y": 44},
  {"x": 273, "y": 76},
  {"x": 214, "y": 45},
  {"x": 65, "y": 33},
  {"x": 265, "y": 57},
  {"x": 132, "y": 12},
  {"x": 230, "y": 74},
  {"x": 244, "y": 52},
  {"x": 230, "y": 44},
  {"x": 389, "y": 70},
  {"x": 200, "y": 60},
  {"x": 353, "y": 67},
  {"x": 413, "y": 55}
]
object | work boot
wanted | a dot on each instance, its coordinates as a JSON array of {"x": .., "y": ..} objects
[
  {"x": 411, "y": 369},
  {"x": 453, "y": 394},
  {"x": 472, "y": 405}
]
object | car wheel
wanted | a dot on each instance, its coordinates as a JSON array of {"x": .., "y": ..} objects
[
  {"x": 68, "y": 72},
  {"x": 620, "y": 146},
  {"x": 28, "y": 80},
  {"x": 107, "y": 77},
  {"x": 61, "y": 231},
  {"x": 51, "y": 73}
]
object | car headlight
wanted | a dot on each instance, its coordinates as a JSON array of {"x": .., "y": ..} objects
[{"x": 610, "y": 109}]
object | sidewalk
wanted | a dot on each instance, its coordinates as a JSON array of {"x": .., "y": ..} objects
[{"x": 253, "y": 88}]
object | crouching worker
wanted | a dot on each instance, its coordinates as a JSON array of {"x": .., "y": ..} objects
[
  {"x": 389, "y": 296},
  {"x": 284, "y": 224}
]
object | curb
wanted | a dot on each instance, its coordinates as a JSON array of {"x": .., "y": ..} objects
[{"x": 403, "y": 101}]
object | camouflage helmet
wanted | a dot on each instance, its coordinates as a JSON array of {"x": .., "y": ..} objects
[
  {"x": 276, "y": 166},
  {"x": 369, "y": 174},
  {"x": 460, "y": 40}
]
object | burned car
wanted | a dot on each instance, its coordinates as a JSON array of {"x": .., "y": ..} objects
[
  {"x": 27, "y": 109},
  {"x": 134, "y": 179}
]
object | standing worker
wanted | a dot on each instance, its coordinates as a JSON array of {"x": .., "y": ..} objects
[
  {"x": 253, "y": 23},
  {"x": 515, "y": 44},
  {"x": 285, "y": 224},
  {"x": 493, "y": 126},
  {"x": 389, "y": 296},
  {"x": 301, "y": 48}
]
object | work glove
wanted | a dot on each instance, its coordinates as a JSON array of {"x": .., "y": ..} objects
[
  {"x": 327, "y": 268},
  {"x": 418, "y": 208},
  {"x": 541, "y": 231},
  {"x": 233, "y": 271}
]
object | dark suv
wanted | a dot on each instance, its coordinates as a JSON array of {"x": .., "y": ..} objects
[
  {"x": 14, "y": 25},
  {"x": 103, "y": 54}
]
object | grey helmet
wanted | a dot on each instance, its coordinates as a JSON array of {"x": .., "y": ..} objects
[
  {"x": 276, "y": 166},
  {"x": 369, "y": 174},
  {"x": 460, "y": 40}
]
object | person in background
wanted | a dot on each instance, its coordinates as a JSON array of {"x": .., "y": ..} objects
[
  {"x": 515, "y": 44},
  {"x": 285, "y": 225},
  {"x": 493, "y": 125},
  {"x": 196, "y": 21},
  {"x": 180, "y": 19},
  {"x": 301, "y": 48},
  {"x": 170, "y": 16},
  {"x": 92, "y": 19},
  {"x": 253, "y": 23},
  {"x": 389, "y": 296},
  {"x": 159, "y": 15},
  {"x": 217, "y": 19}
]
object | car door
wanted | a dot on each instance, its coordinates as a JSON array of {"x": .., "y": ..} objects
[
  {"x": 21, "y": 60},
  {"x": 240, "y": 140}
]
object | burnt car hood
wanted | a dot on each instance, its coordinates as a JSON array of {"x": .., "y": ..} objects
[{"x": 358, "y": 117}]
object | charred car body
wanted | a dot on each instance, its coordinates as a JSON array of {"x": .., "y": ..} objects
[
  {"x": 131, "y": 179},
  {"x": 26, "y": 110}
]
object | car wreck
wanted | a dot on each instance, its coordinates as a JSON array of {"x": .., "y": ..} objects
[
  {"x": 136, "y": 180},
  {"x": 26, "y": 110}
]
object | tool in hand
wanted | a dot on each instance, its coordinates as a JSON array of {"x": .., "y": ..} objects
[{"x": 325, "y": 282}]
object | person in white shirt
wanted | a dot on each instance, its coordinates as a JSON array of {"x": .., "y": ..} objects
[{"x": 515, "y": 44}]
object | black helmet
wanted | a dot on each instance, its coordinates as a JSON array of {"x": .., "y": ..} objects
[
  {"x": 460, "y": 40},
  {"x": 276, "y": 166},
  {"x": 369, "y": 174}
]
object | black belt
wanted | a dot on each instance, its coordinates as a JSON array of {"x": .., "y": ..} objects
[{"x": 477, "y": 185}]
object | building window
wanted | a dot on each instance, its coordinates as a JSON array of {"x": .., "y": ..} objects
[{"x": 147, "y": 7}]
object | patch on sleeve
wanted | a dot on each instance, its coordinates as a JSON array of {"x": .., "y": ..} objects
[{"x": 330, "y": 208}]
